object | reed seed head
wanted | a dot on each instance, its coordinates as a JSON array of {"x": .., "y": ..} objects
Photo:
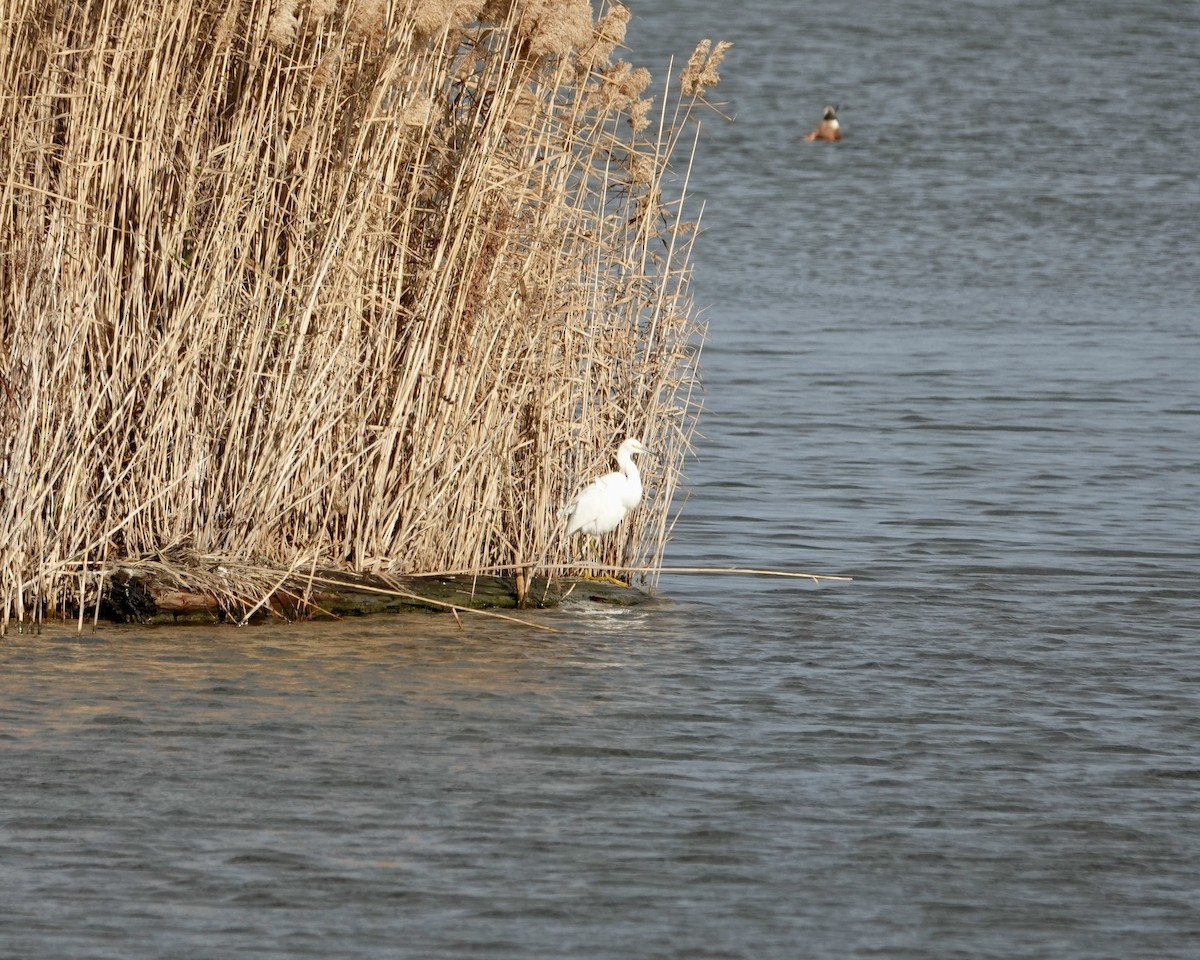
[
  {"x": 417, "y": 112},
  {"x": 554, "y": 28},
  {"x": 639, "y": 111},
  {"x": 365, "y": 19},
  {"x": 432, "y": 17},
  {"x": 281, "y": 30},
  {"x": 607, "y": 35},
  {"x": 497, "y": 11},
  {"x": 223, "y": 30},
  {"x": 634, "y": 83},
  {"x": 641, "y": 169},
  {"x": 326, "y": 69},
  {"x": 701, "y": 70}
]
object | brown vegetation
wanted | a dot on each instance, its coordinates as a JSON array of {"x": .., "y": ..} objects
[{"x": 367, "y": 286}]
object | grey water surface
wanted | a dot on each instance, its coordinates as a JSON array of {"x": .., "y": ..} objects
[{"x": 954, "y": 356}]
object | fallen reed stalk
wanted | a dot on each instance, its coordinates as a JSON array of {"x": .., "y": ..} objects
[
  {"x": 622, "y": 570},
  {"x": 627, "y": 570},
  {"x": 374, "y": 284}
]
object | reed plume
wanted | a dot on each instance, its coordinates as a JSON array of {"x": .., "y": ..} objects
[
  {"x": 369, "y": 286},
  {"x": 701, "y": 70}
]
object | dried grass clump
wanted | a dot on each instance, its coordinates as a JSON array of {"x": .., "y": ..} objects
[{"x": 364, "y": 286}]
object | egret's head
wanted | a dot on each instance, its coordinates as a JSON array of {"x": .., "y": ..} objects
[{"x": 634, "y": 445}]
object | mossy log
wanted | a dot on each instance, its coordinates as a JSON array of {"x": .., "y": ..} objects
[{"x": 148, "y": 598}]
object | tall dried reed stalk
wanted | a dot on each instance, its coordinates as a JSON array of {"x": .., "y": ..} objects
[{"x": 371, "y": 285}]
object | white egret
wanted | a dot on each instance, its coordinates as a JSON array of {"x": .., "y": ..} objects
[{"x": 604, "y": 502}]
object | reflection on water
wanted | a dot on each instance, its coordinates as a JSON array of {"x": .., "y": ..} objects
[{"x": 960, "y": 368}]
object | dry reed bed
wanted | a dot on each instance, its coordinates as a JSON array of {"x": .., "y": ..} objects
[{"x": 367, "y": 285}]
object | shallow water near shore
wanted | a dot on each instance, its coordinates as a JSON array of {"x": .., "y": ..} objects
[{"x": 960, "y": 368}]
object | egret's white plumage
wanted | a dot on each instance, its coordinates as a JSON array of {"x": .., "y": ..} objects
[{"x": 604, "y": 502}]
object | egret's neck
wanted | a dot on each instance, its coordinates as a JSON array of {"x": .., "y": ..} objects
[
  {"x": 628, "y": 467},
  {"x": 632, "y": 495}
]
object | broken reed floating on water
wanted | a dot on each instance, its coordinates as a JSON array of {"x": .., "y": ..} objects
[
  {"x": 285, "y": 279},
  {"x": 632, "y": 571}
]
